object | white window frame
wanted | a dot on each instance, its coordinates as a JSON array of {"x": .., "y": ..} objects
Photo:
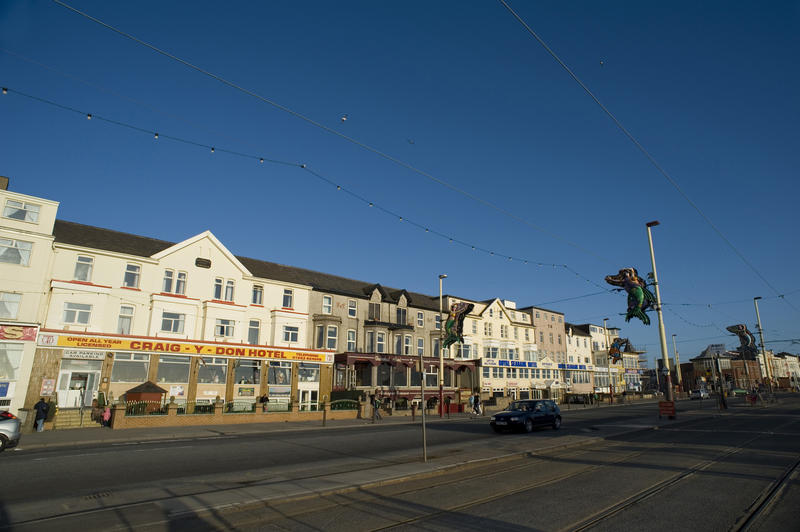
[
  {"x": 288, "y": 298},
  {"x": 420, "y": 346},
  {"x": 331, "y": 339},
  {"x": 327, "y": 304},
  {"x": 83, "y": 268},
  {"x": 30, "y": 210},
  {"x": 230, "y": 287},
  {"x": 291, "y": 333},
  {"x": 127, "y": 316},
  {"x": 224, "y": 327},
  {"x": 23, "y": 250},
  {"x": 77, "y": 313},
  {"x": 380, "y": 342},
  {"x": 352, "y": 308},
  {"x": 351, "y": 340},
  {"x": 174, "y": 319},
  {"x": 180, "y": 283},
  {"x": 169, "y": 278},
  {"x": 407, "y": 344},
  {"x": 219, "y": 284},
  {"x": 132, "y": 277},
  {"x": 253, "y": 326},
  {"x": 9, "y": 305}
]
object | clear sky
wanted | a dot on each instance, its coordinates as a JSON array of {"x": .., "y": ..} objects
[{"x": 474, "y": 131}]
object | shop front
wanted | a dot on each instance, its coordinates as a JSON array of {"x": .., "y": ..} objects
[
  {"x": 86, "y": 366},
  {"x": 17, "y": 346}
]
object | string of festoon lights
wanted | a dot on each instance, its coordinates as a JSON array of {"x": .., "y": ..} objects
[{"x": 157, "y": 135}]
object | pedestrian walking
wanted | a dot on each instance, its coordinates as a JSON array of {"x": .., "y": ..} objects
[
  {"x": 477, "y": 405},
  {"x": 41, "y": 414},
  {"x": 107, "y": 416},
  {"x": 447, "y": 405},
  {"x": 376, "y": 407},
  {"x": 472, "y": 403}
]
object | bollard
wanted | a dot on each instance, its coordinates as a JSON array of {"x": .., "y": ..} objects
[
  {"x": 324, "y": 414},
  {"x": 413, "y": 413}
]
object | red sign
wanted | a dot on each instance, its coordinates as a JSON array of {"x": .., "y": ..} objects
[
  {"x": 17, "y": 332},
  {"x": 666, "y": 408}
]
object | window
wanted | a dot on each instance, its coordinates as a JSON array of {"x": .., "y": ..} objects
[
  {"x": 223, "y": 327},
  {"x": 15, "y": 251},
  {"x": 327, "y": 304},
  {"x": 307, "y": 372},
  {"x": 474, "y": 326},
  {"x": 487, "y": 329},
  {"x": 402, "y": 316},
  {"x": 381, "y": 342},
  {"x": 374, "y": 311},
  {"x": 253, "y": 332},
  {"x": 552, "y": 318},
  {"x": 17, "y": 210},
  {"x": 560, "y": 319},
  {"x": 10, "y": 359},
  {"x": 218, "y": 288},
  {"x": 559, "y": 339},
  {"x": 257, "y": 297},
  {"x": 503, "y": 331},
  {"x": 420, "y": 346},
  {"x": 491, "y": 312},
  {"x": 172, "y": 322},
  {"x": 9, "y": 305},
  {"x": 180, "y": 283},
  {"x": 229, "y": 290},
  {"x": 541, "y": 337},
  {"x": 130, "y": 367},
  {"x": 551, "y": 337},
  {"x": 352, "y": 308},
  {"x": 438, "y": 321},
  {"x": 83, "y": 269},
  {"x": 491, "y": 352},
  {"x": 407, "y": 345},
  {"x": 436, "y": 347},
  {"x": 370, "y": 341},
  {"x": 516, "y": 333},
  {"x": 125, "y": 319},
  {"x": 333, "y": 334},
  {"x": 174, "y": 368},
  {"x": 527, "y": 335},
  {"x": 398, "y": 344},
  {"x": 420, "y": 319},
  {"x": 77, "y": 313},
  {"x": 212, "y": 370},
  {"x": 131, "y": 279},
  {"x": 280, "y": 373},
  {"x": 351, "y": 340},
  {"x": 288, "y": 298},
  {"x": 247, "y": 372},
  {"x": 168, "y": 277},
  {"x": 290, "y": 333}
]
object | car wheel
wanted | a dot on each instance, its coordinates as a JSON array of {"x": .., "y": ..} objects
[
  {"x": 497, "y": 429},
  {"x": 3, "y": 442},
  {"x": 557, "y": 423},
  {"x": 528, "y": 425}
]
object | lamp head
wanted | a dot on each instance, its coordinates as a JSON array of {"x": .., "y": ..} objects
[
  {"x": 756, "y": 298},
  {"x": 443, "y": 276},
  {"x": 653, "y": 223}
]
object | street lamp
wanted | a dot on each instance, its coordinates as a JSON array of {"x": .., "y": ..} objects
[
  {"x": 677, "y": 360},
  {"x": 661, "y": 333},
  {"x": 608, "y": 363},
  {"x": 763, "y": 351},
  {"x": 441, "y": 348}
]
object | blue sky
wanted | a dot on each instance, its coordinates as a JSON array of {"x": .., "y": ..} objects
[{"x": 460, "y": 92}]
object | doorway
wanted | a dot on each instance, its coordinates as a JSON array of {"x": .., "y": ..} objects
[{"x": 78, "y": 382}]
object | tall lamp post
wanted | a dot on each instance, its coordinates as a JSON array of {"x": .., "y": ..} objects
[
  {"x": 662, "y": 336},
  {"x": 677, "y": 360},
  {"x": 763, "y": 351},
  {"x": 441, "y": 348},
  {"x": 608, "y": 363}
]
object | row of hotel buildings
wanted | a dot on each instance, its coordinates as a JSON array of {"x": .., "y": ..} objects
[{"x": 85, "y": 311}]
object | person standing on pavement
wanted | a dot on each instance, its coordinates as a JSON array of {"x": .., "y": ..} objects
[
  {"x": 472, "y": 403},
  {"x": 107, "y": 416},
  {"x": 41, "y": 414},
  {"x": 478, "y": 410}
]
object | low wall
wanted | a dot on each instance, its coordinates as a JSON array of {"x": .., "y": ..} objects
[{"x": 172, "y": 419}]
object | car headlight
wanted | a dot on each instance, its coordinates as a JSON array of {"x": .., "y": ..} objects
[
  {"x": 492, "y": 418},
  {"x": 514, "y": 418}
]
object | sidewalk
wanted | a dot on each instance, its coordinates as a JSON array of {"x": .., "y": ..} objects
[{"x": 94, "y": 436}]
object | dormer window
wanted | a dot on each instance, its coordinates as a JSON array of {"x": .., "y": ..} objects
[{"x": 18, "y": 210}]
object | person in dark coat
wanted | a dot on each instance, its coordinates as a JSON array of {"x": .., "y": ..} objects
[{"x": 41, "y": 409}]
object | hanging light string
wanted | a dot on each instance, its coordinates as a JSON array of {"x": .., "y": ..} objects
[
  {"x": 644, "y": 151},
  {"x": 213, "y": 149},
  {"x": 332, "y": 131}
]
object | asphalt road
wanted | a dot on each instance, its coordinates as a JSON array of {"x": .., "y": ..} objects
[{"x": 708, "y": 471}]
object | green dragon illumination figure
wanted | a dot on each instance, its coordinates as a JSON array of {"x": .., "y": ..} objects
[
  {"x": 639, "y": 297},
  {"x": 454, "y": 326}
]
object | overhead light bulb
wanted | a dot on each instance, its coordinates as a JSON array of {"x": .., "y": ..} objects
[
  {"x": 156, "y": 135},
  {"x": 89, "y": 116}
]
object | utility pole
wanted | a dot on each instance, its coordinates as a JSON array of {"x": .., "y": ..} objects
[
  {"x": 763, "y": 351},
  {"x": 661, "y": 333},
  {"x": 422, "y": 406},
  {"x": 441, "y": 349},
  {"x": 608, "y": 363},
  {"x": 677, "y": 360}
]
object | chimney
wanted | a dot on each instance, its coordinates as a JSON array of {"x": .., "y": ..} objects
[{"x": 3, "y": 183}]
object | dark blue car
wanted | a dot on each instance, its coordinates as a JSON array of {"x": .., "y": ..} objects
[{"x": 525, "y": 415}]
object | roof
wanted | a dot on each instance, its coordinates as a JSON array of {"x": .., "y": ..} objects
[
  {"x": 579, "y": 330},
  {"x": 540, "y": 308},
  {"x": 147, "y": 387},
  {"x": 109, "y": 240}
]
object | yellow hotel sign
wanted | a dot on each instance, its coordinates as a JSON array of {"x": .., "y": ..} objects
[{"x": 163, "y": 346}]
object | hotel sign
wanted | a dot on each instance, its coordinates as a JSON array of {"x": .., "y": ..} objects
[
  {"x": 160, "y": 345},
  {"x": 17, "y": 332}
]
